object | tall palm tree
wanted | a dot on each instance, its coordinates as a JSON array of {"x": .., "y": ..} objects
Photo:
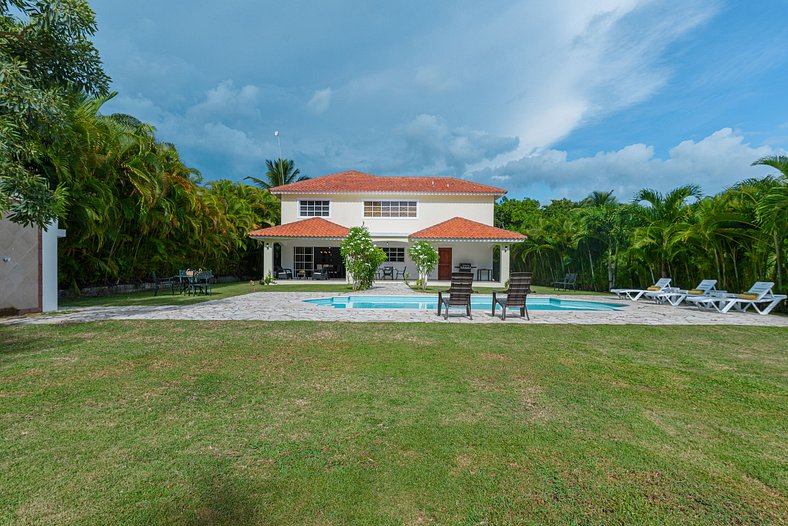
[
  {"x": 597, "y": 198},
  {"x": 280, "y": 172},
  {"x": 667, "y": 218}
]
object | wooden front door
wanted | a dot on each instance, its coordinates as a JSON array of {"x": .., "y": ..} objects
[{"x": 444, "y": 264}]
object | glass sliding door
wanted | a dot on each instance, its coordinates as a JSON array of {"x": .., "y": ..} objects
[{"x": 303, "y": 261}]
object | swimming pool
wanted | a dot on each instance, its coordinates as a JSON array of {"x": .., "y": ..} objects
[{"x": 478, "y": 302}]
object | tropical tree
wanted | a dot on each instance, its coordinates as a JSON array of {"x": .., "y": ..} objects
[
  {"x": 667, "y": 217},
  {"x": 780, "y": 162},
  {"x": 46, "y": 59},
  {"x": 279, "y": 172}
]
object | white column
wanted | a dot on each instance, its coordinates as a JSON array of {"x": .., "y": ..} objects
[
  {"x": 505, "y": 257},
  {"x": 268, "y": 258},
  {"x": 49, "y": 237}
]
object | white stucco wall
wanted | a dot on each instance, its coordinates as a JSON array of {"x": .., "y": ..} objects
[{"x": 348, "y": 210}]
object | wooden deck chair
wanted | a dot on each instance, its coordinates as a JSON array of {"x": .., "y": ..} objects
[
  {"x": 458, "y": 294},
  {"x": 515, "y": 296}
]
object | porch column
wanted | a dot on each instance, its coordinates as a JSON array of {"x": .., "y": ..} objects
[
  {"x": 505, "y": 255},
  {"x": 268, "y": 258}
]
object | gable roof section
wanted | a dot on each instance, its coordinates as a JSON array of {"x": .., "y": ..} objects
[
  {"x": 359, "y": 182},
  {"x": 461, "y": 229},
  {"x": 312, "y": 227}
]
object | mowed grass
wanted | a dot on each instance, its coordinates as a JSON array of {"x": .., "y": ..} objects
[
  {"x": 313, "y": 423},
  {"x": 218, "y": 291}
]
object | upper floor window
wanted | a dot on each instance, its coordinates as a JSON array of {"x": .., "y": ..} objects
[
  {"x": 389, "y": 208},
  {"x": 313, "y": 208}
]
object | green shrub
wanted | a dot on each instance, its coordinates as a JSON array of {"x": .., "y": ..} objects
[{"x": 362, "y": 257}]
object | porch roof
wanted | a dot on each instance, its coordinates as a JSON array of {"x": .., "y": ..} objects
[
  {"x": 315, "y": 227},
  {"x": 461, "y": 229}
]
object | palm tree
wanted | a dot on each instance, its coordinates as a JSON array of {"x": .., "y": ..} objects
[
  {"x": 597, "y": 198},
  {"x": 666, "y": 220},
  {"x": 780, "y": 162},
  {"x": 280, "y": 172}
]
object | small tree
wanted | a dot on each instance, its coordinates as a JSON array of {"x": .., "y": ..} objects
[
  {"x": 425, "y": 257},
  {"x": 361, "y": 257}
]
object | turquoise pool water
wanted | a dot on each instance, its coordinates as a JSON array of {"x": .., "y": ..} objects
[{"x": 478, "y": 302}]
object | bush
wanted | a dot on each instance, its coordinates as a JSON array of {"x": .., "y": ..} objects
[
  {"x": 361, "y": 257},
  {"x": 425, "y": 257}
]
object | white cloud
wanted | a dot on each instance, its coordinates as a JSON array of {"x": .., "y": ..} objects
[
  {"x": 714, "y": 162},
  {"x": 320, "y": 101},
  {"x": 432, "y": 147}
]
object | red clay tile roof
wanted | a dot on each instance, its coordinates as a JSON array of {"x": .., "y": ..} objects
[
  {"x": 312, "y": 227},
  {"x": 461, "y": 228},
  {"x": 353, "y": 182}
]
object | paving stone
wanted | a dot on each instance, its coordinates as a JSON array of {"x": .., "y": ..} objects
[{"x": 274, "y": 306}]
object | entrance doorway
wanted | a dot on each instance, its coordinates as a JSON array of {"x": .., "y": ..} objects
[{"x": 444, "y": 263}]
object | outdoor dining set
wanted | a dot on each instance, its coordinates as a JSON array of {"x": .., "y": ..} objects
[{"x": 187, "y": 281}]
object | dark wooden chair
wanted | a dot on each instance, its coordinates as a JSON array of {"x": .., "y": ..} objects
[
  {"x": 515, "y": 296},
  {"x": 458, "y": 294}
]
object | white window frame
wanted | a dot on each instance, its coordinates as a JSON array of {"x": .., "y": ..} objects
[
  {"x": 314, "y": 201},
  {"x": 387, "y": 249},
  {"x": 365, "y": 201}
]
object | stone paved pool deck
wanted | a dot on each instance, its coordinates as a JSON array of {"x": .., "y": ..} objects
[{"x": 289, "y": 306}]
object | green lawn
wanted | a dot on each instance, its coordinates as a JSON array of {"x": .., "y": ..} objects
[
  {"x": 312, "y": 423},
  {"x": 219, "y": 291}
]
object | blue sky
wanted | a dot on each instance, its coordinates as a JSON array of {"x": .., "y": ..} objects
[{"x": 547, "y": 99}]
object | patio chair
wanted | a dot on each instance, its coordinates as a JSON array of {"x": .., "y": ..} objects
[
  {"x": 760, "y": 297},
  {"x": 570, "y": 280},
  {"x": 388, "y": 272},
  {"x": 675, "y": 296},
  {"x": 200, "y": 280},
  {"x": 458, "y": 294},
  {"x": 282, "y": 273},
  {"x": 464, "y": 267},
  {"x": 322, "y": 273},
  {"x": 635, "y": 294},
  {"x": 158, "y": 282},
  {"x": 401, "y": 273},
  {"x": 515, "y": 296}
]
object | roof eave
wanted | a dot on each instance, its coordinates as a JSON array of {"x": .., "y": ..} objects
[
  {"x": 275, "y": 237},
  {"x": 468, "y": 240},
  {"x": 384, "y": 192}
]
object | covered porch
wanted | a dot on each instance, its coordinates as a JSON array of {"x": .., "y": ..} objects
[{"x": 310, "y": 249}]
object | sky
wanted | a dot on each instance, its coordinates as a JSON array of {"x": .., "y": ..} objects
[{"x": 547, "y": 99}]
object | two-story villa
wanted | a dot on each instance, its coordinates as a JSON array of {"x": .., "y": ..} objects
[{"x": 453, "y": 215}]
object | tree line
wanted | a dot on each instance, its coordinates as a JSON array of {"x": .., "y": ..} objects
[
  {"x": 130, "y": 205},
  {"x": 736, "y": 236}
]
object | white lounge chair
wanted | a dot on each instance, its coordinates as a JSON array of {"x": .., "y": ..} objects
[
  {"x": 759, "y": 297},
  {"x": 635, "y": 294},
  {"x": 676, "y": 296}
]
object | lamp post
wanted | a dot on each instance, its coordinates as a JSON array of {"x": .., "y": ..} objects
[{"x": 278, "y": 143}]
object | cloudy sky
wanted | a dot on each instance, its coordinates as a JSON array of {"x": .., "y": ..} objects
[{"x": 548, "y": 99}]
